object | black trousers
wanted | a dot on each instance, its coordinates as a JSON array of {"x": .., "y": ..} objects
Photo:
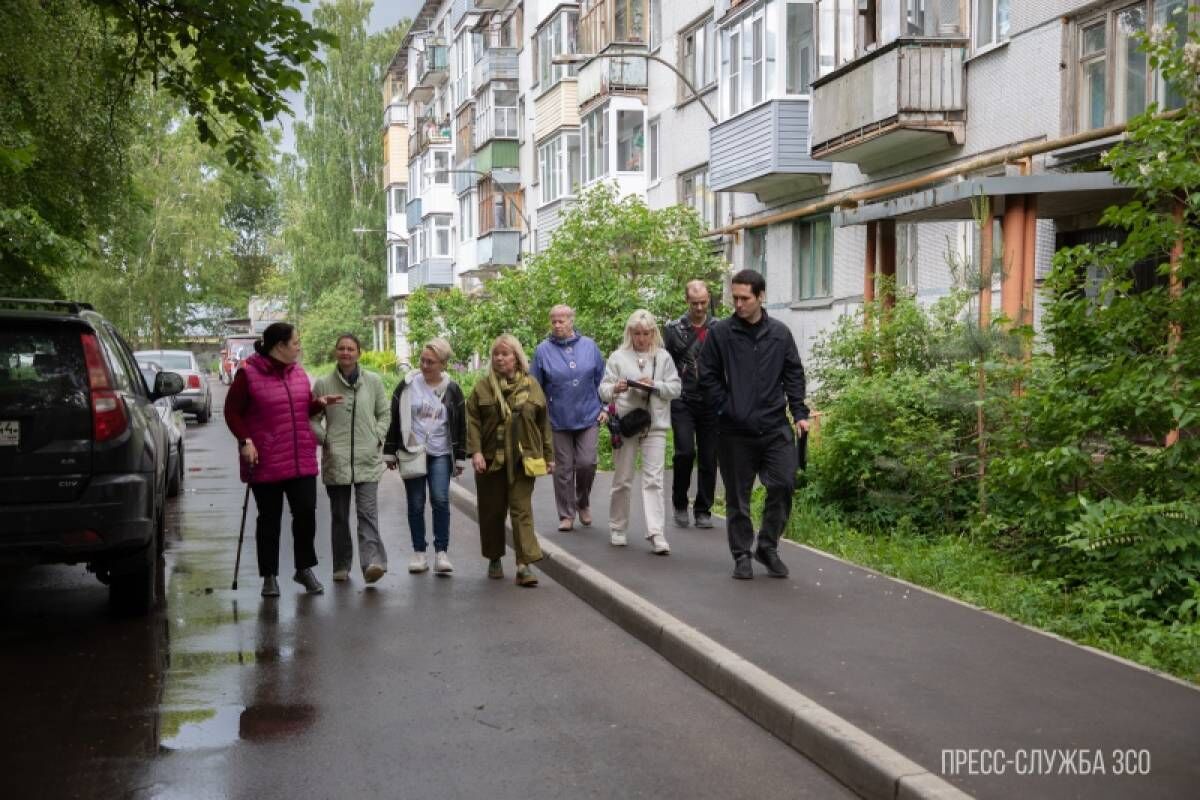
[
  {"x": 770, "y": 457},
  {"x": 302, "y": 502},
  {"x": 694, "y": 426}
]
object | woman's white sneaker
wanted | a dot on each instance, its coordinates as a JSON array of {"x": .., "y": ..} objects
[
  {"x": 418, "y": 563},
  {"x": 441, "y": 564},
  {"x": 617, "y": 538},
  {"x": 659, "y": 543}
]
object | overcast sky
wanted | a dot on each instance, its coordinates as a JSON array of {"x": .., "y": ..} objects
[{"x": 383, "y": 14}]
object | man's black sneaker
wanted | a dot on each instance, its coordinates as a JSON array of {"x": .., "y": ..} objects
[
  {"x": 681, "y": 518},
  {"x": 771, "y": 560},
  {"x": 703, "y": 519},
  {"x": 309, "y": 581},
  {"x": 742, "y": 570}
]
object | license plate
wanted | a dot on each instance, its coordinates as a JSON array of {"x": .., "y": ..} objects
[{"x": 10, "y": 433}]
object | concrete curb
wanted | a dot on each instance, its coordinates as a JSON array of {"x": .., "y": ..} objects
[{"x": 866, "y": 765}]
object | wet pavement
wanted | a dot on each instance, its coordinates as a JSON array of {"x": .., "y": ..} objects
[{"x": 419, "y": 687}]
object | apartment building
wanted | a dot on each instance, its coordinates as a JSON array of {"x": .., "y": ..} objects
[
  {"x": 395, "y": 184},
  {"x": 824, "y": 142}
]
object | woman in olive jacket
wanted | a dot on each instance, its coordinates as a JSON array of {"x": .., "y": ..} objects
[
  {"x": 351, "y": 437},
  {"x": 427, "y": 414},
  {"x": 507, "y": 424}
]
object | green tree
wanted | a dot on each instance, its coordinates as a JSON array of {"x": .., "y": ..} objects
[
  {"x": 1092, "y": 480},
  {"x": 332, "y": 185},
  {"x": 609, "y": 257}
]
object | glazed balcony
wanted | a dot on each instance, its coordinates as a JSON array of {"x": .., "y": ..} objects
[
  {"x": 426, "y": 132},
  {"x": 498, "y": 248},
  {"x": 765, "y": 151},
  {"x": 433, "y": 63},
  {"x": 496, "y": 64},
  {"x": 903, "y": 101}
]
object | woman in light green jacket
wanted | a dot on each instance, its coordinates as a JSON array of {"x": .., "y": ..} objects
[{"x": 351, "y": 436}]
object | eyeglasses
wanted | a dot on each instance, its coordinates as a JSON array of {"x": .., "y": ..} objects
[{"x": 429, "y": 362}]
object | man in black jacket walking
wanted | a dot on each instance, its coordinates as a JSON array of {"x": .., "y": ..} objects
[
  {"x": 693, "y": 420},
  {"x": 750, "y": 372}
]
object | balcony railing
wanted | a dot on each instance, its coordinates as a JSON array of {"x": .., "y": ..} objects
[
  {"x": 426, "y": 132},
  {"x": 395, "y": 114},
  {"x": 903, "y": 101},
  {"x": 431, "y": 273},
  {"x": 603, "y": 76},
  {"x": 496, "y": 64},
  {"x": 765, "y": 151},
  {"x": 498, "y": 248}
]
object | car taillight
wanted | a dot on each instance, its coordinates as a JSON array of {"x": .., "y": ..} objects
[
  {"x": 108, "y": 411},
  {"x": 193, "y": 381}
]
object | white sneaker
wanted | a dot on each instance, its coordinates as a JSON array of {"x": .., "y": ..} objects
[
  {"x": 341, "y": 575},
  {"x": 659, "y": 543},
  {"x": 617, "y": 538},
  {"x": 418, "y": 563},
  {"x": 441, "y": 563},
  {"x": 374, "y": 572}
]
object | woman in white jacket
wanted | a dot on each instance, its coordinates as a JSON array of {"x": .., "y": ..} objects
[{"x": 641, "y": 374}]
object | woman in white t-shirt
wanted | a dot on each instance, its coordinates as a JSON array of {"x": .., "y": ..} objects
[{"x": 428, "y": 416}]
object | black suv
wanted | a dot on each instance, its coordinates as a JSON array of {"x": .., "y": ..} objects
[{"x": 83, "y": 452}]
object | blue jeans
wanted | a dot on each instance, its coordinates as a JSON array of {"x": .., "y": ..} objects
[{"x": 438, "y": 470}]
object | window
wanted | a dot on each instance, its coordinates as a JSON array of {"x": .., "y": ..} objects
[
  {"x": 399, "y": 258},
  {"x": 800, "y": 51},
  {"x": 558, "y": 162},
  {"x": 813, "y": 259},
  {"x": 595, "y": 145},
  {"x": 850, "y": 29},
  {"x": 496, "y": 113},
  {"x": 652, "y": 146},
  {"x": 1113, "y": 81},
  {"x": 698, "y": 57},
  {"x": 439, "y": 235},
  {"x": 655, "y": 23},
  {"x": 556, "y": 37},
  {"x": 991, "y": 22},
  {"x": 441, "y": 167},
  {"x": 1171, "y": 12},
  {"x": 756, "y": 249},
  {"x": 498, "y": 210},
  {"x": 466, "y": 216},
  {"x": 417, "y": 245},
  {"x": 748, "y": 62},
  {"x": 631, "y": 140},
  {"x": 694, "y": 192},
  {"x": 397, "y": 198},
  {"x": 629, "y": 20}
]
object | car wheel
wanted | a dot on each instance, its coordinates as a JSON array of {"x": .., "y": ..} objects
[
  {"x": 202, "y": 415},
  {"x": 132, "y": 592},
  {"x": 176, "y": 477}
]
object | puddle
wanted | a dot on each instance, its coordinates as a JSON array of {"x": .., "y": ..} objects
[{"x": 199, "y": 728}]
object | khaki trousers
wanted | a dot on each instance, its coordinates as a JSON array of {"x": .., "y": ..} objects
[
  {"x": 653, "y": 447},
  {"x": 494, "y": 497}
]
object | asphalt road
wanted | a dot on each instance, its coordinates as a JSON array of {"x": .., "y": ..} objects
[{"x": 419, "y": 687}]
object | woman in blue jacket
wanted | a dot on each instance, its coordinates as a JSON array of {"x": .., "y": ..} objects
[{"x": 569, "y": 368}]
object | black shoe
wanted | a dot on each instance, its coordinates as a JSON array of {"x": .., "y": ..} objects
[
  {"x": 681, "y": 518},
  {"x": 742, "y": 570},
  {"x": 305, "y": 578},
  {"x": 270, "y": 586},
  {"x": 703, "y": 519},
  {"x": 771, "y": 560}
]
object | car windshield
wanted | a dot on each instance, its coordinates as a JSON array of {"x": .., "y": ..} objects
[
  {"x": 172, "y": 361},
  {"x": 41, "y": 367}
]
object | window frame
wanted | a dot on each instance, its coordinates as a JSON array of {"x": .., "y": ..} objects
[
  {"x": 1154, "y": 12},
  {"x": 705, "y": 61},
  {"x": 653, "y": 131},
  {"x": 996, "y": 37},
  {"x": 801, "y": 292},
  {"x": 436, "y": 227},
  {"x": 556, "y": 36},
  {"x": 705, "y": 201},
  {"x": 554, "y": 164}
]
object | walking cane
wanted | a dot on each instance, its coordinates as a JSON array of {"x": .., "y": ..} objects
[{"x": 241, "y": 535}]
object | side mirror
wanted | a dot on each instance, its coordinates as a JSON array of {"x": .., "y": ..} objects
[{"x": 166, "y": 384}]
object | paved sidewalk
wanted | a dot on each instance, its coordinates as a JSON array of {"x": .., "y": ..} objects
[{"x": 925, "y": 675}]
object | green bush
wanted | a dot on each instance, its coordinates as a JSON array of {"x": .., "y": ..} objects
[
  {"x": 890, "y": 450},
  {"x": 381, "y": 361},
  {"x": 337, "y": 310}
]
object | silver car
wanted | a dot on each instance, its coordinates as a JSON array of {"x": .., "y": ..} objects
[
  {"x": 196, "y": 398},
  {"x": 172, "y": 419}
]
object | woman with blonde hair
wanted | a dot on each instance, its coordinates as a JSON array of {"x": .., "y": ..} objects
[
  {"x": 428, "y": 429},
  {"x": 510, "y": 442},
  {"x": 640, "y": 380}
]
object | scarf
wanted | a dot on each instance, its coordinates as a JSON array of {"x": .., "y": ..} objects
[{"x": 511, "y": 395}]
